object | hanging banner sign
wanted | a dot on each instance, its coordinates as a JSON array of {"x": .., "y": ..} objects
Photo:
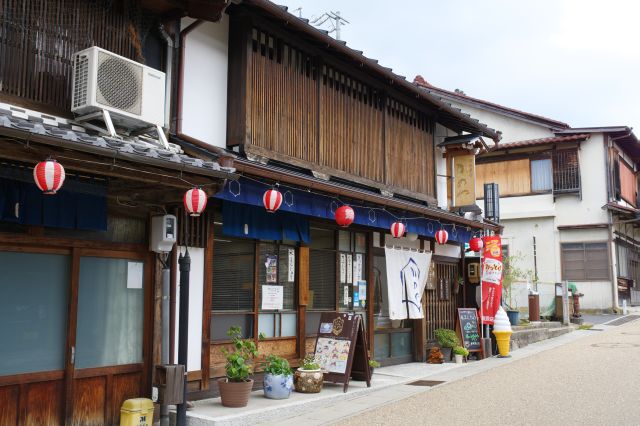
[
  {"x": 491, "y": 277},
  {"x": 407, "y": 273}
]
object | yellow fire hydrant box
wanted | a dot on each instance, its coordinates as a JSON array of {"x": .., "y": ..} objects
[{"x": 136, "y": 412}]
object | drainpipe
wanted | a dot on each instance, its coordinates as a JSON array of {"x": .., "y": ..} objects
[
  {"x": 614, "y": 279},
  {"x": 168, "y": 75}
]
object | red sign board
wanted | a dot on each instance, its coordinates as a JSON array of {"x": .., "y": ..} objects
[{"x": 491, "y": 277}]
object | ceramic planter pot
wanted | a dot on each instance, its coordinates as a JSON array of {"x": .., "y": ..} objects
[
  {"x": 234, "y": 394},
  {"x": 446, "y": 352},
  {"x": 277, "y": 386},
  {"x": 308, "y": 381},
  {"x": 459, "y": 359}
]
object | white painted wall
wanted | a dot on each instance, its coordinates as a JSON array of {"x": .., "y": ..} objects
[
  {"x": 204, "y": 95},
  {"x": 512, "y": 128},
  {"x": 196, "y": 290},
  {"x": 441, "y": 165}
]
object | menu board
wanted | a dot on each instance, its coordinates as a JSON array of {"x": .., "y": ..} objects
[
  {"x": 341, "y": 348},
  {"x": 469, "y": 330}
]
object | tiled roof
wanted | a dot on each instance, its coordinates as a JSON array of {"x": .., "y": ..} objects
[
  {"x": 421, "y": 82},
  {"x": 34, "y": 125},
  {"x": 543, "y": 141}
]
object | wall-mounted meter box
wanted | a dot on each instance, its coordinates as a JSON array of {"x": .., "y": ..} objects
[{"x": 164, "y": 233}]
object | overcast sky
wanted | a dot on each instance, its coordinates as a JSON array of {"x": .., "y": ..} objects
[{"x": 577, "y": 61}]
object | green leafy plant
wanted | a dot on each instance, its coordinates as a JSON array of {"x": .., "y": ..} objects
[
  {"x": 277, "y": 366},
  {"x": 447, "y": 338},
  {"x": 512, "y": 273},
  {"x": 459, "y": 350},
  {"x": 373, "y": 363},
  {"x": 309, "y": 363},
  {"x": 239, "y": 364}
]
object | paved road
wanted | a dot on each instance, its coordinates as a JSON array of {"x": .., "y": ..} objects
[{"x": 591, "y": 381}]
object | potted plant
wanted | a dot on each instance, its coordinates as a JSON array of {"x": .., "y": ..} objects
[
  {"x": 308, "y": 378},
  {"x": 236, "y": 386},
  {"x": 278, "y": 378},
  {"x": 460, "y": 353},
  {"x": 373, "y": 364},
  {"x": 511, "y": 274},
  {"x": 447, "y": 339}
]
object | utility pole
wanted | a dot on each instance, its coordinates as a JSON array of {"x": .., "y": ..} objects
[{"x": 334, "y": 18}]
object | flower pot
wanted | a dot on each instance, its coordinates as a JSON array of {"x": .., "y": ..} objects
[
  {"x": 308, "y": 381},
  {"x": 234, "y": 394},
  {"x": 459, "y": 359},
  {"x": 514, "y": 317},
  {"x": 446, "y": 353},
  {"x": 277, "y": 386}
]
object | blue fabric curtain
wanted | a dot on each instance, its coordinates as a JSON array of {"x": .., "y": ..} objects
[
  {"x": 241, "y": 220},
  {"x": 24, "y": 203},
  {"x": 249, "y": 193}
]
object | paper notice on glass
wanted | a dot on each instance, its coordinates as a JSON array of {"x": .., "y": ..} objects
[
  {"x": 343, "y": 268},
  {"x": 272, "y": 297},
  {"x": 362, "y": 289},
  {"x": 357, "y": 268},
  {"x": 349, "y": 268},
  {"x": 134, "y": 274},
  {"x": 271, "y": 265},
  {"x": 292, "y": 266},
  {"x": 346, "y": 296}
]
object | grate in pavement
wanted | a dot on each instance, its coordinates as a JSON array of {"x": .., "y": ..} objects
[
  {"x": 615, "y": 345},
  {"x": 623, "y": 320},
  {"x": 426, "y": 383}
]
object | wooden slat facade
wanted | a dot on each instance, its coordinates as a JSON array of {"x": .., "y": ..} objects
[
  {"x": 303, "y": 109},
  {"x": 441, "y": 303},
  {"x": 514, "y": 177}
]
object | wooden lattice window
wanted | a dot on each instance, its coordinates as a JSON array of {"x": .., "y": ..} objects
[{"x": 566, "y": 171}]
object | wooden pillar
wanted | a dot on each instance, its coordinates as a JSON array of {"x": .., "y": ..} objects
[
  {"x": 205, "y": 351},
  {"x": 370, "y": 294},
  {"x": 303, "y": 297}
]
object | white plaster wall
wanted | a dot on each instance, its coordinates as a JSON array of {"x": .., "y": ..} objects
[
  {"x": 527, "y": 206},
  {"x": 448, "y": 250},
  {"x": 196, "y": 290},
  {"x": 512, "y": 128},
  {"x": 204, "y": 96},
  {"x": 441, "y": 166}
]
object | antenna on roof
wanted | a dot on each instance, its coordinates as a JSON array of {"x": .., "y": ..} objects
[
  {"x": 334, "y": 18},
  {"x": 299, "y": 10}
]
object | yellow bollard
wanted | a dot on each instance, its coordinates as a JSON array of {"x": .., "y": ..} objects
[{"x": 136, "y": 412}]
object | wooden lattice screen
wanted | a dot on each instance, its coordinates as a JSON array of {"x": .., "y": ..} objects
[
  {"x": 566, "y": 171},
  {"x": 39, "y": 37},
  {"x": 442, "y": 302}
]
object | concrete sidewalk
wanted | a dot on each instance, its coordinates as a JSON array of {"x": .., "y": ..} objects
[{"x": 388, "y": 384}]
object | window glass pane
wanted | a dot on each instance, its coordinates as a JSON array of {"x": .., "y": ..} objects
[
  {"x": 541, "y": 175},
  {"x": 233, "y": 275},
  {"x": 289, "y": 323},
  {"x": 33, "y": 312},
  {"x": 361, "y": 242},
  {"x": 266, "y": 325},
  {"x": 312, "y": 323},
  {"x": 110, "y": 312},
  {"x": 400, "y": 344},
  {"x": 322, "y": 279},
  {"x": 269, "y": 253},
  {"x": 322, "y": 239},
  {"x": 287, "y": 256},
  {"x": 221, "y": 323},
  {"x": 381, "y": 346},
  {"x": 585, "y": 261},
  {"x": 344, "y": 240}
]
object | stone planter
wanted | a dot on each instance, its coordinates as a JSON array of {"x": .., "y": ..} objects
[
  {"x": 459, "y": 359},
  {"x": 277, "y": 386},
  {"x": 308, "y": 381},
  {"x": 234, "y": 394}
]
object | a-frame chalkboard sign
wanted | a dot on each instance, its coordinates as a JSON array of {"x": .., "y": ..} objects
[
  {"x": 468, "y": 329},
  {"x": 341, "y": 348}
]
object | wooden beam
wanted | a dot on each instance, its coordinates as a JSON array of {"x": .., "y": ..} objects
[{"x": 303, "y": 297}]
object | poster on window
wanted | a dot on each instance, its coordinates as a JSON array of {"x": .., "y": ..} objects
[
  {"x": 271, "y": 265},
  {"x": 272, "y": 297},
  {"x": 491, "y": 277},
  {"x": 332, "y": 354},
  {"x": 291, "y": 266},
  {"x": 407, "y": 273}
]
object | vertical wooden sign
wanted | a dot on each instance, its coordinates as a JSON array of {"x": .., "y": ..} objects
[{"x": 341, "y": 348}]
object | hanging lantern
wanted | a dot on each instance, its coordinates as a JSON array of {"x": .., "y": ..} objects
[
  {"x": 195, "y": 200},
  {"x": 442, "y": 237},
  {"x": 476, "y": 244},
  {"x": 344, "y": 216},
  {"x": 397, "y": 229},
  {"x": 49, "y": 176},
  {"x": 272, "y": 200}
]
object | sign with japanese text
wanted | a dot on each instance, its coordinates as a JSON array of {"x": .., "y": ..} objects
[
  {"x": 491, "y": 277},
  {"x": 464, "y": 180}
]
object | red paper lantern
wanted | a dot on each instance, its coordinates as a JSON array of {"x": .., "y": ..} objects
[
  {"x": 272, "y": 200},
  {"x": 195, "y": 201},
  {"x": 476, "y": 244},
  {"x": 442, "y": 237},
  {"x": 345, "y": 216},
  {"x": 49, "y": 176},
  {"x": 397, "y": 229}
]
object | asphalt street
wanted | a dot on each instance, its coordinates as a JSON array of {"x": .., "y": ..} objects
[{"x": 594, "y": 380}]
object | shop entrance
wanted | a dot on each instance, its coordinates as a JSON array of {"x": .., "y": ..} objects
[
  {"x": 393, "y": 339},
  {"x": 75, "y": 334}
]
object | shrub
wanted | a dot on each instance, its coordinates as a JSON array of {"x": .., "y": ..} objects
[
  {"x": 373, "y": 363},
  {"x": 277, "y": 366},
  {"x": 447, "y": 338},
  {"x": 239, "y": 364},
  {"x": 459, "y": 350}
]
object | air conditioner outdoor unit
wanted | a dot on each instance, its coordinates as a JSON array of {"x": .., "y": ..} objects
[{"x": 132, "y": 94}]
